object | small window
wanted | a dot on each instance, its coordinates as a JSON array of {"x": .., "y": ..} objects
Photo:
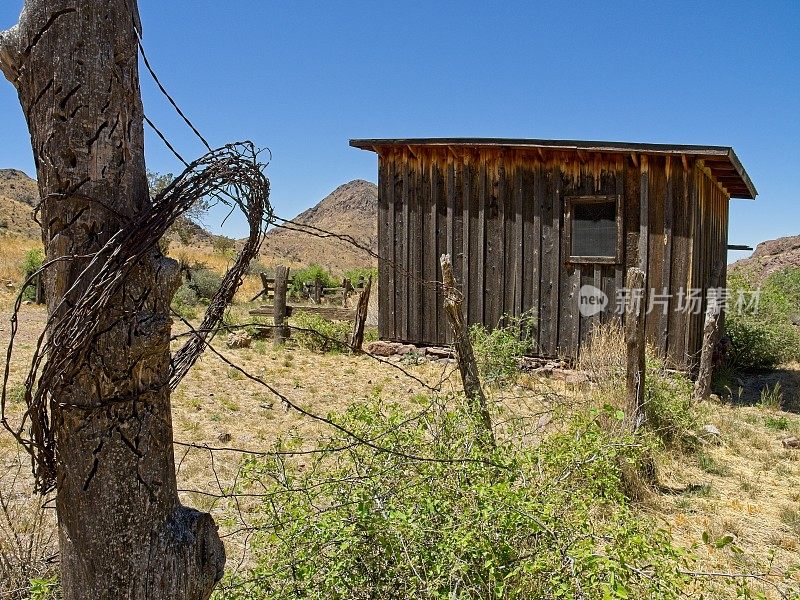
[{"x": 594, "y": 229}]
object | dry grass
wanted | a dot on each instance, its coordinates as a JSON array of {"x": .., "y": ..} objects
[
  {"x": 747, "y": 487},
  {"x": 13, "y": 248}
]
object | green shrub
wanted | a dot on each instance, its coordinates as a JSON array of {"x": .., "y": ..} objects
[
  {"x": 758, "y": 343},
  {"x": 318, "y": 334},
  {"x": 223, "y": 245},
  {"x": 309, "y": 275},
  {"x": 498, "y": 351},
  {"x": 767, "y": 337},
  {"x": 668, "y": 409},
  {"x": 366, "y": 272},
  {"x": 372, "y": 524},
  {"x": 184, "y": 302},
  {"x": 32, "y": 262},
  {"x": 204, "y": 283}
]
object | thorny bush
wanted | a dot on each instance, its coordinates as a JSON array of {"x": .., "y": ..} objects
[{"x": 549, "y": 521}]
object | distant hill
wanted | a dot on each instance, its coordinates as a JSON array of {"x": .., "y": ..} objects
[
  {"x": 19, "y": 194},
  {"x": 770, "y": 256},
  {"x": 352, "y": 210}
]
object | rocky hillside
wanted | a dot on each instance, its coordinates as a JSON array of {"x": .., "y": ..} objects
[
  {"x": 350, "y": 210},
  {"x": 19, "y": 195},
  {"x": 771, "y": 256}
]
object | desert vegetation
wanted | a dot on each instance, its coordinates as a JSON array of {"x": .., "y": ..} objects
[{"x": 379, "y": 486}]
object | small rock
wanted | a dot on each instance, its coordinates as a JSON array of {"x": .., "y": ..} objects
[
  {"x": 267, "y": 406},
  {"x": 239, "y": 339},
  {"x": 381, "y": 348},
  {"x": 27, "y": 302},
  {"x": 792, "y": 443},
  {"x": 406, "y": 349},
  {"x": 710, "y": 433},
  {"x": 544, "y": 421},
  {"x": 224, "y": 437},
  {"x": 576, "y": 378}
]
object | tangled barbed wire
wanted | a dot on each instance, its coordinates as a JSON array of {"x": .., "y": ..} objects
[{"x": 234, "y": 175}]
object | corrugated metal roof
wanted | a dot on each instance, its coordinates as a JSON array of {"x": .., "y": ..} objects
[{"x": 721, "y": 160}]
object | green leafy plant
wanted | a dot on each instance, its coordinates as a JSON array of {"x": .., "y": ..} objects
[
  {"x": 497, "y": 351},
  {"x": 669, "y": 413},
  {"x": 309, "y": 275},
  {"x": 361, "y": 272},
  {"x": 204, "y": 283},
  {"x": 223, "y": 245},
  {"x": 549, "y": 521},
  {"x": 318, "y": 334},
  {"x": 765, "y": 336},
  {"x": 32, "y": 262}
]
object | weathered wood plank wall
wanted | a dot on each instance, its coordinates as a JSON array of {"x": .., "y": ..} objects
[{"x": 500, "y": 214}]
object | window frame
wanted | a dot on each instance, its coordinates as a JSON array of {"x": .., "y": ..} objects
[{"x": 571, "y": 201}]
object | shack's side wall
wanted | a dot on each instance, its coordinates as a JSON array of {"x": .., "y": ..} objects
[
  {"x": 500, "y": 215},
  {"x": 710, "y": 249}
]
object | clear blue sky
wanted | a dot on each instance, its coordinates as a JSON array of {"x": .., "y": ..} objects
[{"x": 303, "y": 78}]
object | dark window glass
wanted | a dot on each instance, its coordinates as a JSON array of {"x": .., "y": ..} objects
[{"x": 594, "y": 229}]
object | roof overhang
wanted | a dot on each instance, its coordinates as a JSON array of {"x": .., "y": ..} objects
[{"x": 722, "y": 161}]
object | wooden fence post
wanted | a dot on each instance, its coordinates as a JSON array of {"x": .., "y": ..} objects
[
  {"x": 361, "y": 317},
  {"x": 317, "y": 290},
  {"x": 279, "y": 317},
  {"x": 635, "y": 344},
  {"x": 702, "y": 387},
  {"x": 465, "y": 355}
]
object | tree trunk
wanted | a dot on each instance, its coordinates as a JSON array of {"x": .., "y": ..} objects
[{"x": 123, "y": 533}]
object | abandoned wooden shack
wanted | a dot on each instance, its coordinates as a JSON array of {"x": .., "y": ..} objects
[{"x": 529, "y": 223}]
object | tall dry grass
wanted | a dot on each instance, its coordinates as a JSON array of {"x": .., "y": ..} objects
[{"x": 28, "y": 545}]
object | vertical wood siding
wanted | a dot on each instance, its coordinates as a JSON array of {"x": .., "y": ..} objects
[{"x": 500, "y": 215}]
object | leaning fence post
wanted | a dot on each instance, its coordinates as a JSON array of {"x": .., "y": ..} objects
[
  {"x": 635, "y": 344},
  {"x": 702, "y": 387},
  {"x": 361, "y": 317},
  {"x": 279, "y": 305},
  {"x": 465, "y": 355}
]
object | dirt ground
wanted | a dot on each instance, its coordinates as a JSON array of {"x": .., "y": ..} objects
[{"x": 747, "y": 486}]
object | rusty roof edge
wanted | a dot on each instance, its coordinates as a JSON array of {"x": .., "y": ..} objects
[
  {"x": 737, "y": 164},
  {"x": 596, "y": 146}
]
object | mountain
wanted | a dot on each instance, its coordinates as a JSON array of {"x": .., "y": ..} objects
[
  {"x": 771, "y": 256},
  {"x": 350, "y": 210},
  {"x": 19, "y": 194}
]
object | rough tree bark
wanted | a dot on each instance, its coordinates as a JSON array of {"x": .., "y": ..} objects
[{"x": 122, "y": 530}]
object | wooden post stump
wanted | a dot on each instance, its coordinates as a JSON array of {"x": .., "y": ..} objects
[
  {"x": 317, "y": 290},
  {"x": 635, "y": 344},
  {"x": 279, "y": 318},
  {"x": 361, "y": 318},
  {"x": 702, "y": 387},
  {"x": 465, "y": 354}
]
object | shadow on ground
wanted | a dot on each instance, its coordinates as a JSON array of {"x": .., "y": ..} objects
[{"x": 752, "y": 384}]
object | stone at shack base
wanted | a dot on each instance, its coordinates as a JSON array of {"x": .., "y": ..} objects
[{"x": 381, "y": 348}]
